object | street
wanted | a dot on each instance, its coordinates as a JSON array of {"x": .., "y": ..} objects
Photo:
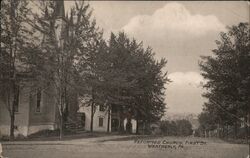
[{"x": 113, "y": 147}]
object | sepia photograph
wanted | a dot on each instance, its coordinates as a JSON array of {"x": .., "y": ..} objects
[{"x": 124, "y": 79}]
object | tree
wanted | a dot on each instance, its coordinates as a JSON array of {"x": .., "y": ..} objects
[
  {"x": 90, "y": 46},
  {"x": 70, "y": 64},
  {"x": 228, "y": 76},
  {"x": 184, "y": 127},
  {"x": 176, "y": 128},
  {"x": 168, "y": 128},
  {"x": 52, "y": 62},
  {"x": 207, "y": 122},
  {"x": 16, "y": 39},
  {"x": 134, "y": 80}
]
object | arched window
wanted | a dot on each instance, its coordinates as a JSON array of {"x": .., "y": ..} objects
[
  {"x": 38, "y": 100},
  {"x": 100, "y": 122}
]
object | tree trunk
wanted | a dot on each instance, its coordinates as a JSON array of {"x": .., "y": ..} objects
[
  {"x": 137, "y": 125},
  {"x": 66, "y": 103},
  {"x": 12, "y": 124},
  {"x": 129, "y": 126},
  {"x": 248, "y": 133},
  {"x": 13, "y": 109},
  {"x": 218, "y": 130},
  {"x": 12, "y": 70},
  {"x": 61, "y": 127},
  {"x": 223, "y": 131},
  {"x": 121, "y": 129},
  {"x": 61, "y": 112},
  {"x": 227, "y": 131},
  {"x": 246, "y": 126},
  {"x": 92, "y": 117},
  {"x": 143, "y": 131},
  {"x": 235, "y": 129},
  {"x": 108, "y": 120},
  {"x": 121, "y": 124}
]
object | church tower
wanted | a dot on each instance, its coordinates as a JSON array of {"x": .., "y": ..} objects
[{"x": 59, "y": 15}]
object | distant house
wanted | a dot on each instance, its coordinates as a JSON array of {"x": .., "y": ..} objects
[
  {"x": 37, "y": 109},
  {"x": 103, "y": 121}
]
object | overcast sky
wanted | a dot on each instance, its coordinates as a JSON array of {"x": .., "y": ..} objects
[{"x": 179, "y": 31}]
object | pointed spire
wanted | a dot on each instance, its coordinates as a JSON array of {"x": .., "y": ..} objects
[
  {"x": 67, "y": 16},
  {"x": 59, "y": 9},
  {"x": 71, "y": 16},
  {"x": 46, "y": 13}
]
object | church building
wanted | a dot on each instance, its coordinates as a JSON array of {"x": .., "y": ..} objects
[{"x": 37, "y": 109}]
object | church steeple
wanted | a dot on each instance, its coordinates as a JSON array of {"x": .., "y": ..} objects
[
  {"x": 59, "y": 9},
  {"x": 60, "y": 23}
]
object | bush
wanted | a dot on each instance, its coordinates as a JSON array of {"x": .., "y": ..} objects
[
  {"x": 5, "y": 138},
  {"x": 45, "y": 133},
  {"x": 176, "y": 128}
]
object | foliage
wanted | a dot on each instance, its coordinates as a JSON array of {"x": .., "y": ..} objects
[
  {"x": 16, "y": 39},
  {"x": 206, "y": 121},
  {"x": 228, "y": 77},
  {"x": 134, "y": 78},
  {"x": 69, "y": 56},
  {"x": 176, "y": 128}
]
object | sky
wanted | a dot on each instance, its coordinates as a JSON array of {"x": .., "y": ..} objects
[{"x": 179, "y": 31}]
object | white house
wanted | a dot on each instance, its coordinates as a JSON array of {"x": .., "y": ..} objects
[{"x": 100, "y": 119}]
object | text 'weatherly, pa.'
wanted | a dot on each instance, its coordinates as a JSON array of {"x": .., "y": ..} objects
[{"x": 167, "y": 144}]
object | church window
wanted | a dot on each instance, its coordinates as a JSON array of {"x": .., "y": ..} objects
[
  {"x": 101, "y": 108},
  {"x": 100, "y": 122},
  {"x": 38, "y": 100}
]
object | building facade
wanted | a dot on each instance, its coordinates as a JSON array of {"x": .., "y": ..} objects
[
  {"x": 37, "y": 109},
  {"x": 104, "y": 121}
]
